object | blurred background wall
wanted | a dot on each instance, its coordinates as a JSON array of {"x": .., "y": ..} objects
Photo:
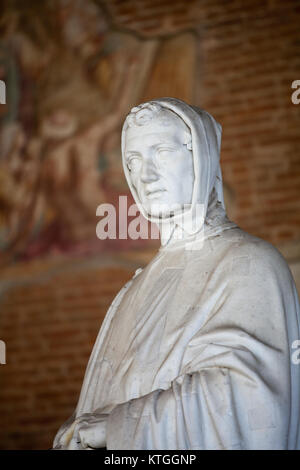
[{"x": 73, "y": 69}]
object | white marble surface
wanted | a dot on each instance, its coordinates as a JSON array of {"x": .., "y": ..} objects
[{"x": 195, "y": 350}]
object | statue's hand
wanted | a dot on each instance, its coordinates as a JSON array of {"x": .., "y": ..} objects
[{"x": 89, "y": 432}]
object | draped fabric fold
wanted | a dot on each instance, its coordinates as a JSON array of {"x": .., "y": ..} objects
[{"x": 195, "y": 351}]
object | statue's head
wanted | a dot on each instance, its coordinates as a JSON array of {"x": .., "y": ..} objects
[
  {"x": 171, "y": 154},
  {"x": 158, "y": 155}
]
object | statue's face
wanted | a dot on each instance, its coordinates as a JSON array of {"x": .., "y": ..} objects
[{"x": 160, "y": 165}]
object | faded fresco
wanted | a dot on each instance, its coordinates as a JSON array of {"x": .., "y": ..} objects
[{"x": 71, "y": 78}]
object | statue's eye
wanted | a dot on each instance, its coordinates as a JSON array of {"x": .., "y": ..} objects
[
  {"x": 164, "y": 152},
  {"x": 134, "y": 164}
]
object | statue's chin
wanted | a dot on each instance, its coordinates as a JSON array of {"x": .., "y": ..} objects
[{"x": 164, "y": 211}]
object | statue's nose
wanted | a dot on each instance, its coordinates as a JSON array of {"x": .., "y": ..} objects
[{"x": 149, "y": 171}]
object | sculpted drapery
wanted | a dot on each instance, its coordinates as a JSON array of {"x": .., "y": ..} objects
[{"x": 195, "y": 350}]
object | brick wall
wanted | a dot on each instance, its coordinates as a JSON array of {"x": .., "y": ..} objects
[
  {"x": 150, "y": 18},
  {"x": 50, "y": 316},
  {"x": 251, "y": 57},
  {"x": 248, "y": 58}
]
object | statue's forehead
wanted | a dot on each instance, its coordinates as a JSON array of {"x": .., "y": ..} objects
[
  {"x": 152, "y": 135},
  {"x": 172, "y": 127}
]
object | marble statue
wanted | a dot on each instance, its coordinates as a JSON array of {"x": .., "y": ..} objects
[{"x": 195, "y": 350}]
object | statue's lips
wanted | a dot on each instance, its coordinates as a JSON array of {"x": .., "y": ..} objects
[{"x": 155, "y": 193}]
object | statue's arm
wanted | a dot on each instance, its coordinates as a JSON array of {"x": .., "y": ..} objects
[{"x": 214, "y": 408}]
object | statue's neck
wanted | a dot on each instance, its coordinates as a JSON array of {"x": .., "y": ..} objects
[{"x": 173, "y": 235}]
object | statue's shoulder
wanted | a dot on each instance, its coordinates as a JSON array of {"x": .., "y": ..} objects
[{"x": 240, "y": 245}]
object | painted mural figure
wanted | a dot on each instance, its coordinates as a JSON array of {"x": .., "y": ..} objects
[{"x": 195, "y": 350}]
